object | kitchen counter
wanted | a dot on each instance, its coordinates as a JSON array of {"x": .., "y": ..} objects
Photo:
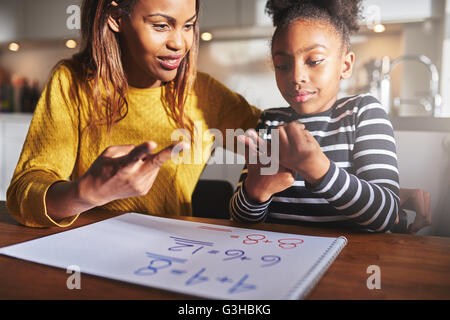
[
  {"x": 7, "y": 117},
  {"x": 13, "y": 130},
  {"x": 420, "y": 124}
]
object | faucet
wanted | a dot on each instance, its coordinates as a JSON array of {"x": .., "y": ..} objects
[{"x": 431, "y": 103}]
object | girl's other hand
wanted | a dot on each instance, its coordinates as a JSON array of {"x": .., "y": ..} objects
[{"x": 300, "y": 151}]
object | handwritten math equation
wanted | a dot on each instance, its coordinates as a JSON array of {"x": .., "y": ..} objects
[{"x": 173, "y": 264}]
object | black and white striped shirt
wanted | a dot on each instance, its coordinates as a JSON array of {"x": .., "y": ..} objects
[{"x": 361, "y": 188}]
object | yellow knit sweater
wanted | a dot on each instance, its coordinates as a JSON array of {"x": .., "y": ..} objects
[{"x": 60, "y": 147}]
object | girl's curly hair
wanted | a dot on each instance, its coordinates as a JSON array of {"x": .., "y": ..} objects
[{"x": 342, "y": 14}]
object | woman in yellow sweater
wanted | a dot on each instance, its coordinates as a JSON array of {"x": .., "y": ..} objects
[{"x": 101, "y": 132}]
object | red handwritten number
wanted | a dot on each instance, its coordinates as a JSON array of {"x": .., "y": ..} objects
[
  {"x": 289, "y": 243},
  {"x": 253, "y": 238}
]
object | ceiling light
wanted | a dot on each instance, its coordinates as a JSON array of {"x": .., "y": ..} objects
[
  {"x": 206, "y": 36},
  {"x": 14, "y": 46},
  {"x": 379, "y": 28},
  {"x": 71, "y": 44}
]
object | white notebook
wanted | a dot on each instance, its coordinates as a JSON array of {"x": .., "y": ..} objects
[{"x": 198, "y": 259}]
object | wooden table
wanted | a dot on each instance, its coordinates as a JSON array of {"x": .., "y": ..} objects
[{"x": 412, "y": 267}]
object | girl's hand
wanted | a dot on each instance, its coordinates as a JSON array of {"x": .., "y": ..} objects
[
  {"x": 122, "y": 172},
  {"x": 260, "y": 187},
  {"x": 300, "y": 151}
]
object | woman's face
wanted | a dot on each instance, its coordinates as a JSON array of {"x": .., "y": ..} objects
[
  {"x": 155, "y": 38},
  {"x": 310, "y": 61}
]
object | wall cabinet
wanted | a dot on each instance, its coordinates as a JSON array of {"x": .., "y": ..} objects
[
  {"x": 401, "y": 11},
  {"x": 240, "y": 13},
  {"x": 35, "y": 20},
  {"x": 233, "y": 13},
  {"x": 47, "y": 19}
]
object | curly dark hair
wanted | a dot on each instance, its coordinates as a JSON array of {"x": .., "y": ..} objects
[{"x": 342, "y": 14}]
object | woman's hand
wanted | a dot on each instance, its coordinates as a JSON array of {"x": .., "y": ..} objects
[
  {"x": 257, "y": 186},
  {"x": 300, "y": 152},
  {"x": 119, "y": 172},
  {"x": 122, "y": 172}
]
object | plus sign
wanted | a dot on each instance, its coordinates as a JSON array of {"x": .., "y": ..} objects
[{"x": 224, "y": 279}]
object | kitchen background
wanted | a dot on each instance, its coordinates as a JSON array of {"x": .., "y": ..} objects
[{"x": 402, "y": 57}]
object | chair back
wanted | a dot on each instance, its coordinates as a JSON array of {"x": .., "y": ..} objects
[{"x": 210, "y": 199}]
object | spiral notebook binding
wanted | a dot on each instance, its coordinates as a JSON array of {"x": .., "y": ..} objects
[{"x": 297, "y": 291}]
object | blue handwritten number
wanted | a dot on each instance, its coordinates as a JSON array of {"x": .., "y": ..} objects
[
  {"x": 181, "y": 245},
  {"x": 235, "y": 254},
  {"x": 197, "y": 250},
  {"x": 241, "y": 286},
  {"x": 272, "y": 259},
  {"x": 197, "y": 278},
  {"x": 153, "y": 267}
]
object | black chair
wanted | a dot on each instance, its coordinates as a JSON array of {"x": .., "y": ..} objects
[
  {"x": 402, "y": 225},
  {"x": 210, "y": 199}
]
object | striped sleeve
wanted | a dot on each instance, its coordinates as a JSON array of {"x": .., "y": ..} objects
[
  {"x": 244, "y": 210},
  {"x": 370, "y": 196}
]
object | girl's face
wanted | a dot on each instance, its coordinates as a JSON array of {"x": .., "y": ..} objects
[
  {"x": 155, "y": 38},
  {"x": 310, "y": 60}
]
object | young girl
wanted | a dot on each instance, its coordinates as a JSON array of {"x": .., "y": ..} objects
[
  {"x": 338, "y": 162},
  {"x": 101, "y": 132}
]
